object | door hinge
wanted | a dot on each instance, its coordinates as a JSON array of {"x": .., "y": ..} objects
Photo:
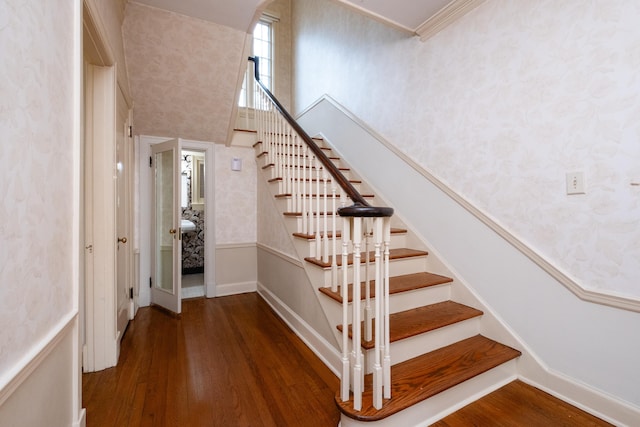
[
  {"x": 150, "y": 282},
  {"x": 130, "y": 131},
  {"x": 150, "y": 161},
  {"x": 130, "y": 293}
]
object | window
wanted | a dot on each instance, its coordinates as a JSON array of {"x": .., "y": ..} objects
[{"x": 263, "y": 49}]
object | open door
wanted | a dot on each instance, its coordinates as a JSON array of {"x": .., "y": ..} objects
[{"x": 166, "y": 235}]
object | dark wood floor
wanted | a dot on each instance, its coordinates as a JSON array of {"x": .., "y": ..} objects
[
  {"x": 232, "y": 362},
  {"x": 227, "y": 362}
]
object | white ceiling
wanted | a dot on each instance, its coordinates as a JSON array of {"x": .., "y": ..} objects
[
  {"x": 406, "y": 14},
  {"x": 239, "y": 14},
  {"x": 236, "y": 14}
]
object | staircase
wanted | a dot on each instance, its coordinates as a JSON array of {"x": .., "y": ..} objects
[
  {"x": 410, "y": 355},
  {"x": 439, "y": 358}
]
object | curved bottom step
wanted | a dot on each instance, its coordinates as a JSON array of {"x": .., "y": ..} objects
[{"x": 427, "y": 385}]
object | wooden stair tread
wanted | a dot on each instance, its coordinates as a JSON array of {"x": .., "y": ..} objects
[
  {"x": 329, "y": 196},
  {"x": 409, "y": 323},
  {"x": 339, "y": 233},
  {"x": 425, "y": 376},
  {"x": 394, "y": 254},
  {"x": 397, "y": 284},
  {"x": 279, "y": 178}
]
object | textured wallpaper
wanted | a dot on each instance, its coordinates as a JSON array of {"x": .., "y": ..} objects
[
  {"x": 183, "y": 73},
  {"x": 271, "y": 229},
  {"x": 36, "y": 173},
  {"x": 236, "y": 209},
  {"x": 500, "y": 106}
]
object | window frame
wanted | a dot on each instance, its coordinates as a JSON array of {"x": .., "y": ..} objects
[{"x": 246, "y": 100}]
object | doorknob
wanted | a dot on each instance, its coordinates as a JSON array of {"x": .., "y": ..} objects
[
  {"x": 172, "y": 231},
  {"x": 122, "y": 240}
]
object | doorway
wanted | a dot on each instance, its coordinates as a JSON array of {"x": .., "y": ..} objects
[
  {"x": 198, "y": 276},
  {"x": 192, "y": 206}
]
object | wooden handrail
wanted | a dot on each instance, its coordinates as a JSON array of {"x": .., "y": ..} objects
[{"x": 360, "y": 207}]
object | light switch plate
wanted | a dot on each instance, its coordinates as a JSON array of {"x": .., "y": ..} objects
[{"x": 575, "y": 183}]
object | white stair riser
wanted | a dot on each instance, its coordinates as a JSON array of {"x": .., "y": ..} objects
[
  {"x": 420, "y": 297},
  {"x": 322, "y": 277},
  {"x": 286, "y": 204},
  {"x": 397, "y": 302},
  {"x": 281, "y": 188},
  {"x": 409, "y": 348},
  {"x": 264, "y": 161},
  {"x": 427, "y": 412},
  {"x": 308, "y": 247}
]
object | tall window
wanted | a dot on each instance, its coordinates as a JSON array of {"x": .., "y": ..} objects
[{"x": 263, "y": 49}]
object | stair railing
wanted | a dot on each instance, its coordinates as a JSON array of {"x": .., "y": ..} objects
[{"x": 316, "y": 191}]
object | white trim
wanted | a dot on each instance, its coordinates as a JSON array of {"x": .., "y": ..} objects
[
  {"x": 281, "y": 255},
  {"x": 445, "y": 17},
  {"x": 143, "y": 144},
  {"x": 77, "y": 252},
  {"x": 596, "y": 296},
  {"x": 377, "y": 17},
  {"x": 320, "y": 346},
  {"x": 15, "y": 376},
  {"x": 82, "y": 419},
  {"x": 626, "y": 414},
  {"x": 236, "y": 245},
  {"x": 226, "y": 289}
]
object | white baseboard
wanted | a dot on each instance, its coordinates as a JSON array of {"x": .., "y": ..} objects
[
  {"x": 320, "y": 346},
  {"x": 588, "y": 399},
  {"x": 82, "y": 419},
  {"x": 226, "y": 289}
]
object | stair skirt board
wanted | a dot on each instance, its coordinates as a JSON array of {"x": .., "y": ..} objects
[
  {"x": 326, "y": 352},
  {"x": 442, "y": 404}
]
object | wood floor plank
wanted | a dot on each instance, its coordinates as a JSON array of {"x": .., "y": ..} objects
[
  {"x": 518, "y": 404},
  {"x": 226, "y": 362}
]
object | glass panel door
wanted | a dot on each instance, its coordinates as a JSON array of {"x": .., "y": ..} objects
[{"x": 166, "y": 276}]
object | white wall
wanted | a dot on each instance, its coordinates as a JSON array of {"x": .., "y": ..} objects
[
  {"x": 500, "y": 106},
  {"x": 39, "y": 164}
]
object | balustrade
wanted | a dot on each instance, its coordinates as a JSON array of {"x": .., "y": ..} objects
[{"x": 319, "y": 193}]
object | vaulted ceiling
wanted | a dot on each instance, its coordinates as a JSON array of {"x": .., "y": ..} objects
[{"x": 185, "y": 58}]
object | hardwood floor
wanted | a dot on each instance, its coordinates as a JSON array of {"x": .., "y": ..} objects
[
  {"x": 232, "y": 362},
  {"x": 518, "y": 404},
  {"x": 227, "y": 362}
]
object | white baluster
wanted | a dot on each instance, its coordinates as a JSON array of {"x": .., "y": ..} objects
[
  {"x": 358, "y": 374},
  {"x": 344, "y": 390},
  {"x": 295, "y": 183},
  {"x": 378, "y": 266},
  {"x": 334, "y": 237},
  {"x": 317, "y": 196},
  {"x": 305, "y": 223},
  {"x": 368, "y": 317},
  {"x": 387, "y": 348},
  {"x": 325, "y": 223}
]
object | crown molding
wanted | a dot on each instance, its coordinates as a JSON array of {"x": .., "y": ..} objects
[{"x": 445, "y": 17}]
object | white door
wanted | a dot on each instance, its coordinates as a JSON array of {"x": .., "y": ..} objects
[
  {"x": 123, "y": 212},
  {"x": 166, "y": 235}
]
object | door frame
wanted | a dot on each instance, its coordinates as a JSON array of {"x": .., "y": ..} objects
[
  {"x": 98, "y": 318},
  {"x": 143, "y": 214}
]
